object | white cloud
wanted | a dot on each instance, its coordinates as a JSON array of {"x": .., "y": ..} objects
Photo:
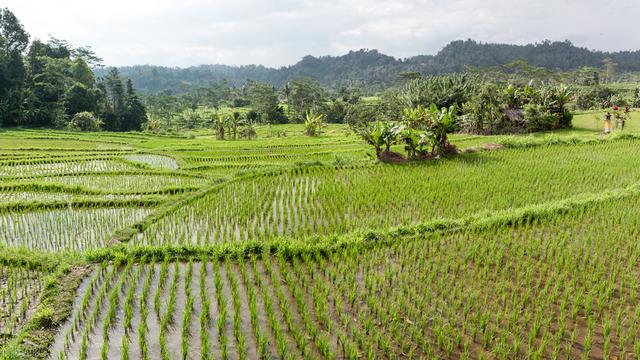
[{"x": 280, "y": 32}]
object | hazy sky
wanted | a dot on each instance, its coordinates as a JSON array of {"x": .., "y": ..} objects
[{"x": 280, "y": 32}]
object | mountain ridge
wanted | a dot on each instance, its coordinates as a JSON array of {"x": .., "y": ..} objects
[{"x": 373, "y": 69}]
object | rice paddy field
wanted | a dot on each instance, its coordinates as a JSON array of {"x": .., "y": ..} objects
[{"x": 140, "y": 246}]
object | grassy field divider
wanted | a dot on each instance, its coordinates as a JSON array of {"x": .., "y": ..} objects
[
  {"x": 21, "y": 257},
  {"x": 105, "y": 173},
  {"x": 79, "y": 204},
  {"x": 55, "y": 306},
  {"x": 81, "y": 190},
  {"x": 513, "y": 141}
]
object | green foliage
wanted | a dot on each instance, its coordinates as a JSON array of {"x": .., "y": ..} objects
[
  {"x": 84, "y": 121},
  {"x": 313, "y": 123},
  {"x": 53, "y": 81},
  {"x": 380, "y": 134},
  {"x": 264, "y": 100},
  {"x": 306, "y": 95},
  {"x": 443, "y": 91},
  {"x": 594, "y": 97}
]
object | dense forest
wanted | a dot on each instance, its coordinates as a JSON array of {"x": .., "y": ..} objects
[
  {"x": 51, "y": 84},
  {"x": 373, "y": 70}
]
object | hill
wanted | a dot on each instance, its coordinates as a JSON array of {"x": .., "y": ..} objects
[{"x": 375, "y": 70}]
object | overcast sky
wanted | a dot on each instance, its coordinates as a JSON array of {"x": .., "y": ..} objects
[{"x": 280, "y": 32}]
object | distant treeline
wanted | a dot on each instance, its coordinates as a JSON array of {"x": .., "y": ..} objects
[
  {"x": 375, "y": 71},
  {"x": 51, "y": 84}
]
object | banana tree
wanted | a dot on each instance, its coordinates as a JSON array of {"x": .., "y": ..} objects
[
  {"x": 416, "y": 142},
  {"x": 313, "y": 123},
  {"x": 443, "y": 122},
  {"x": 380, "y": 134}
]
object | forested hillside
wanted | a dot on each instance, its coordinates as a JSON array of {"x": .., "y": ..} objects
[{"x": 374, "y": 70}]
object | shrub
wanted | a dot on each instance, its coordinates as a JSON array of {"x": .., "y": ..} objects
[{"x": 84, "y": 121}]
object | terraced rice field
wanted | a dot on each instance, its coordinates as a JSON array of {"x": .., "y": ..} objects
[{"x": 134, "y": 246}]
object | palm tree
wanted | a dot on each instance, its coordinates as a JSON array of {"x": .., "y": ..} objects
[{"x": 234, "y": 122}]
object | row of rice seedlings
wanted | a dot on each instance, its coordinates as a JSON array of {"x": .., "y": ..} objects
[
  {"x": 143, "y": 305},
  {"x": 91, "y": 321},
  {"x": 562, "y": 288},
  {"x": 186, "y": 321},
  {"x": 69, "y": 168},
  {"x": 19, "y": 290},
  {"x": 288, "y": 312},
  {"x": 167, "y": 318},
  {"x": 158, "y": 161},
  {"x": 239, "y": 336},
  {"x": 252, "y": 316},
  {"x": 559, "y": 289},
  {"x": 114, "y": 302},
  {"x": 205, "y": 311},
  {"x": 124, "y": 183},
  {"x": 68, "y": 229},
  {"x": 312, "y": 201},
  {"x": 259, "y": 328},
  {"x": 286, "y": 348},
  {"x": 221, "y": 321}
]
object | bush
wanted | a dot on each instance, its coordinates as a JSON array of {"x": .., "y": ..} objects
[
  {"x": 594, "y": 97},
  {"x": 84, "y": 121}
]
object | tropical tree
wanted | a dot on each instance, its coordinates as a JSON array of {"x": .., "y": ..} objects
[{"x": 305, "y": 95}]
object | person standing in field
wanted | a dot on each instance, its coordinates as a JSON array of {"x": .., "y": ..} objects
[{"x": 607, "y": 123}]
